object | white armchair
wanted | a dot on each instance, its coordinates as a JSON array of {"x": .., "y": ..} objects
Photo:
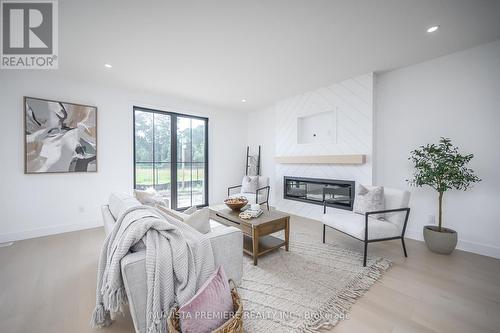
[
  {"x": 369, "y": 229},
  {"x": 260, "y": 196}
]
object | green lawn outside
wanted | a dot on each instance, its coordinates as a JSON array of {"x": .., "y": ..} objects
[{"x": 144, "y": 175}]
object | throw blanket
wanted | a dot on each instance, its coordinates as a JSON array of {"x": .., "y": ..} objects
[{"x": 178, "y": 261}]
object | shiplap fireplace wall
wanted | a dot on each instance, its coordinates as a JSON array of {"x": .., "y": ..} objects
[{"x": 352, "y": 103}]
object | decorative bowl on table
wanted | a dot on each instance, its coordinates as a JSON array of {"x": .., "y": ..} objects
[{"x": 236, "y": 203}]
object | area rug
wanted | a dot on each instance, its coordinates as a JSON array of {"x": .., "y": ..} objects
[{"x": 308, "y": 289}]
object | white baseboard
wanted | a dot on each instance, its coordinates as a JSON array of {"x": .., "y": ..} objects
[
  {"x": 414, "y": 234},
  {"x": 47, "y": 231},
  {"x": 465, "y": 245},
  {"x": 485, "y": 250}
]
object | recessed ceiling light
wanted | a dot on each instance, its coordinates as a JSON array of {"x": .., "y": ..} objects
[
  {"x": 243, "y": 100},
  {"x": 108, "y": 66},
  {"x": 433, "y": 28}
]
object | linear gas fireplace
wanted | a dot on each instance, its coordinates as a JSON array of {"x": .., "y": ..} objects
[{"x": 336, "y": 193}]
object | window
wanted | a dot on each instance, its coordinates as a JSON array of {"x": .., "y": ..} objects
[{"x": 171, "y": 155}]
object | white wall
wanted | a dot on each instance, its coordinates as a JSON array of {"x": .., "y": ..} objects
[
  {"x": 456, "y": 96},
  {"x": 261, "y": 131},
  {"x": 34, "y": 205},
  {"x": 276, "y": 129}
]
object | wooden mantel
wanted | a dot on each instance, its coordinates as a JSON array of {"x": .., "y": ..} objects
[{"x": 323, "y": 159}]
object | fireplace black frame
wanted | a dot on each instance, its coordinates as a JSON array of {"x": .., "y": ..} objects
[{"x": 351, "y": 183}]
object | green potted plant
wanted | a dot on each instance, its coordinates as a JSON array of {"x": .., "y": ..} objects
[{"x": 443, "y": 168}]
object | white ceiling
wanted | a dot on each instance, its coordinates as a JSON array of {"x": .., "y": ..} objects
[{"x": 218, "y": 52}]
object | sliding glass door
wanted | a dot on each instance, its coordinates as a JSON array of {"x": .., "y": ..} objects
[
  {"x": 171, "y": 155},
  {"x": 152, "y": 151},
  {"x": 191, "y": 160}
]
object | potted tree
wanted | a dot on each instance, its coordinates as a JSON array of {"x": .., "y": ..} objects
[{"x": 443, "y": 168}]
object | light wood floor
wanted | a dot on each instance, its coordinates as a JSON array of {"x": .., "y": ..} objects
[{"x": 48, "y": 285}]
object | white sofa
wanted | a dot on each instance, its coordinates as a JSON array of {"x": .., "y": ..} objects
[
  {"x": 368, "y": 229},
  {"x": 261, "y": 196},
  {"x": 227, "y": 246}
]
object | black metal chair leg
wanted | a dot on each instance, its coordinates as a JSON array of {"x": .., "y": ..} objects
[
  {"x": 267, "y": 204},
  {"x": 324, "y": 232},
  {"x": 404, "y": 247},
  {"x": 364, "y": 255}
]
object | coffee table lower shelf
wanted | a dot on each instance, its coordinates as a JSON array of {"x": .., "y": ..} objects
[
  {"x": 259, "y": 229},
  {"x": 266, "y": 244}
]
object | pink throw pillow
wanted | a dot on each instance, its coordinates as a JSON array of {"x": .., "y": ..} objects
[{"x": 211, "y": 307}]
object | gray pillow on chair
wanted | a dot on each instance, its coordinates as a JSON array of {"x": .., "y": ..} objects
[
  {"x": 369, "y": 199},
  {"x": 249, "y": 184}
]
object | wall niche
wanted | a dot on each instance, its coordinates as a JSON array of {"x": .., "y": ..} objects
[{"x": 317, "y": 128}]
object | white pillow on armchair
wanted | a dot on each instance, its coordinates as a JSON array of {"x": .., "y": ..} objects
[
  {"x": 369, "y": 199},
  {"x": 249, "y": 184}
]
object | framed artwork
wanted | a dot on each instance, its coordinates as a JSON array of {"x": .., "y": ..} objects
[{"x": 59, "y": 137}]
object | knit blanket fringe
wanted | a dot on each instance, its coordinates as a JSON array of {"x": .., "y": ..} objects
[
  {"x": 100, "y": 317},
  {"x": 159, "y": 323},
  {"x": 336, "y": 308},
  {"x": 114, "y": 301}
]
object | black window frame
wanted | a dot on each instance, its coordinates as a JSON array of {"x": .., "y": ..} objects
[{"x": 173, "y": 153}]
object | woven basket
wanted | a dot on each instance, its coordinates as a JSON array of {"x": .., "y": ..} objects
[{"x": 233, "y": 325}]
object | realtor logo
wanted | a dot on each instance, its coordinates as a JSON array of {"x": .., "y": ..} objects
[{"x": 29, "y": 34}]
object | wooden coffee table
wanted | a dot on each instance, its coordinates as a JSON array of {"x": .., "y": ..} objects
[{"x": 257, "y": 239}]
